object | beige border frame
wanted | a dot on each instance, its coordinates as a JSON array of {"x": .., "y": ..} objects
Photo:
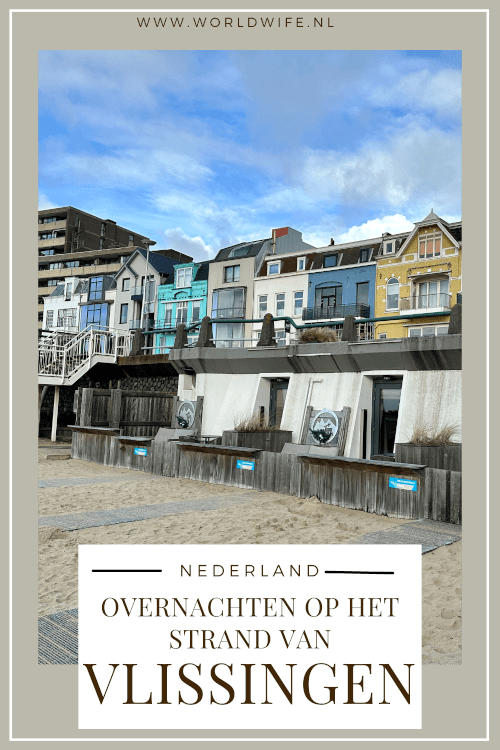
[{"x": 454, "y": 698}]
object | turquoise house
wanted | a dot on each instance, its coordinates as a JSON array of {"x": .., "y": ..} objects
[{"x": 182, "y": 301}]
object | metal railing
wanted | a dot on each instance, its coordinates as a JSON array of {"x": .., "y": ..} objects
[
  {"x": 62, "y": 361},
  {"x": 359, "y": 310},
  {"x": 229, "y": 312},
  {"x": 423, "y": 301},
  {"x": 172, "y": 324}
]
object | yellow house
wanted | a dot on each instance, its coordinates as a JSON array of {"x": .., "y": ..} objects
[{"x": 418, "y": 279}]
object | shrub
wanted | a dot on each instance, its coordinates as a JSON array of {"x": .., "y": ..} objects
[
  {"x": 431, "y": 435},
  {"x": 317, "y": 335},
  {"x": 252, "y": 423}
]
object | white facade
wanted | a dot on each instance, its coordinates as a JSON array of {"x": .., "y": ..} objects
[
  {"x": 281, "y": 294},
  {"x": 434, "y": 396},
  {"x": 64, "y": 307}
]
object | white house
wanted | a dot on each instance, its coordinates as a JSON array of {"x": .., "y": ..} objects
[{"x": 77, "y": 303}]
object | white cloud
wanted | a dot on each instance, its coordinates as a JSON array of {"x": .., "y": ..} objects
[
  {"x": 193, "y": 246},
  {"x": 375, "y": 228},
  {"x": 44, "y": 202},
  {"x": 440, "y": 91}
]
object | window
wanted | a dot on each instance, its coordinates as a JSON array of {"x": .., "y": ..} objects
[
  {"x": 231, "y": 273},
  {"x": 280, "y": 305},
  {"x": 124, "y": 313},
  {"x": 94, "y": 315},
  {"x": 46, "y": 236},
  {"x": 328, "y": 300},
  {"x": 298, "y": 302},
  {"x": 126, "y": 285},
  {"x": 389, "y": 247},
  {"x": 262, "y": 305},
  {"x": 429, "y": 245},
  {"x": 392, "y": 294},
  {"x": 49, "y": 319},
  {"x": 239, "y": 252},
  {"x": 66, "y": 318},
  {"x": 52, "y": 282},
  {"x": 101, "y": 242},
  {"x": 54, "y": 266},
  {"x": 362, "y": 292},
  {"x": 382, "y": 335},
  {"x": 182, "y": 312},
  {"x": 131, "y": 239},
  {"x": 433, "y": 293},
  {"x": 301, "y": 264},
  {"x": 124, "y": 258},
  {"x": 281, "y": 338},
  {"x": 428, "y": 331},
  {"x": 168, "y": 313},
  {"x": 47, "y": 252},
  {"x": 196, "y": 310},
  {"x": 228, "y": 303},
  {"x": 183, "y": 277},
  {"x": 364, "y": 255},
  {"x": 72, "y": 264},
  {"x": 331, "y": 260},
  {"x": 95, "y": 288},
  {"x": 273, "y": 268},
  {"x": 69, "y": 291}
]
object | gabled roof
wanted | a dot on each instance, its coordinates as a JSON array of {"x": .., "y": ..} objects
[
  {"x": 159, "y": 263},
  {"x": 429, "y": 220}
]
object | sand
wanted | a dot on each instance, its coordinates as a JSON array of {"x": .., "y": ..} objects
[{"x": 265, "y": 518}]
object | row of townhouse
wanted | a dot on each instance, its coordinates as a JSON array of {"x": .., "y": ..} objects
[{"x": 395, "y": 285}]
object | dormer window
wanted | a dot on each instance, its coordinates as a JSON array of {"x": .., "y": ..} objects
[
  {"x": 183, "y": 277},
  {"x": 301, "y": 264},
  {"x": 389, "y": 247},
  {"x": 364, "y": 255},
  {"x": 273, "y": 268},
  {"x": 429, "y": 245},
  {"x": 331, "y": 260}
]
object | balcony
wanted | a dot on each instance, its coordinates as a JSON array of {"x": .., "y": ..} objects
[
  {"x": 133, "y": 324},
  {"x": 171, "y": 325},
  {"x": 428, "y": 302},
  {"x": 229, "y": 312},
  {"x": 52, "y": 242},
  {"x": 49, "y": 226},
  {"x": 337, "y": 312},
  {"x": 137, "y": 292}
]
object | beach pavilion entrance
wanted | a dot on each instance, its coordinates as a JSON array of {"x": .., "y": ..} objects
[
  {"x": 279, "y": 387},
  {"x": 386, "y": 399}
]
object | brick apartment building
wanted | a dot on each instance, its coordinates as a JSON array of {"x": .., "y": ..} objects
[{"x": 72, "y": 242}]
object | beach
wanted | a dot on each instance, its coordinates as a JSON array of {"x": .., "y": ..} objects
[{"x": 195, "y": 512}]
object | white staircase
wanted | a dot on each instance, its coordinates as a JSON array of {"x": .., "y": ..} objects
[{"x": 64, "y": 358}]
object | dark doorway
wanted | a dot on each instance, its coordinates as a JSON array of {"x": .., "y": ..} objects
[
  {"x": 386, "y": 398},
  {"x": 279, "y": 388}
]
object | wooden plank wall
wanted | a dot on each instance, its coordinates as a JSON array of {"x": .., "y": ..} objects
[
  {"x": 137, "y": 413},
  {"x": 357, "y": 485},
  {"x": 435, "y": 456}
]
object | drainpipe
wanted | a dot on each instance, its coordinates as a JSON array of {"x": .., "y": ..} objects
[{"x": 273, "y": 251}]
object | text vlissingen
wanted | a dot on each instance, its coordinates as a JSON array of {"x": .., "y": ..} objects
[{"x": 358, "y": 683}]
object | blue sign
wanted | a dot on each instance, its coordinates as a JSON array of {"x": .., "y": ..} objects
[
  {"x": 250, "y": 465},
  {"x": 403, "y": 484},
  {"x": 140, "y": 451}
]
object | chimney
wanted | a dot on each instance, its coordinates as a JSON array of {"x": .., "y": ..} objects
[{"x": 332, "y": 241}]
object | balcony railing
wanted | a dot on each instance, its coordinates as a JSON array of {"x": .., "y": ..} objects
[
  {"x": 338, "y": 311},
  {"x": 133, "y": 324},
  {"x": 229, "y": 312},
  {"x": 174, "y": 322},
  {"x": 425, "y": 301},
  {"x": 137, "y": 291}
]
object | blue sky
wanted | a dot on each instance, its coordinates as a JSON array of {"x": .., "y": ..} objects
[{"x": 199, "y": 150}]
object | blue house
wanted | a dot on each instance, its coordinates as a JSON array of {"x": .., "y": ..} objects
[
  {"x": 183, "y": 300},
  {"x": 342, "y": 282}
]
